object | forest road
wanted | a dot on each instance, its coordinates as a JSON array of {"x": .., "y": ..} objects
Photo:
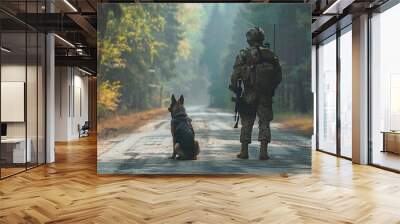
[{"x": 146, "y": 151}]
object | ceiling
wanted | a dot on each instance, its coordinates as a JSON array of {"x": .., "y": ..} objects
[{"x": 75, "y": 22}]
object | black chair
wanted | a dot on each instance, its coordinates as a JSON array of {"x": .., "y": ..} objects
[{"x": 84, "y": 130}]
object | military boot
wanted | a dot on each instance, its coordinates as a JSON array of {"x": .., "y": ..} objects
[
  {"x": 244, "y": 151},
  {"x": 264, "y": 151}
]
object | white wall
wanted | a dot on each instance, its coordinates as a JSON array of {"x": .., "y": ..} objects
[
  {"x": 71, "y": 102},
  {"x": 80, "y": 111},
  {"x": 33, "y": 126},
  {"x": 16, "y": 73},
  {"x": 12, "y": 73},
  {"x": 62, "y": 81}
]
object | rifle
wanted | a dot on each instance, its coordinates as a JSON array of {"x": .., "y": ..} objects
[{"x": 238, "y": 93}]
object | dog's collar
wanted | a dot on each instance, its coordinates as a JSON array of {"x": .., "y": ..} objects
[
  {"x": 180, "y": 112},
  {"x": 180, "y": 115}
]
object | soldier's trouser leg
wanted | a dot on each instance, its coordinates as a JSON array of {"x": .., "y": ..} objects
[
  {"x": 247, "y": 121},
  {"x": 264, "y": 113}
]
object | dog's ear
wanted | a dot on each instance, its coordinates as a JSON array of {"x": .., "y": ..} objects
[
  {"x": 181, "y": 100},
  {"x": 173, "y": 100}
]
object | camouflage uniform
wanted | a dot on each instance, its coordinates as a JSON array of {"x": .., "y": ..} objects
[{"x": 259, "y": 70}]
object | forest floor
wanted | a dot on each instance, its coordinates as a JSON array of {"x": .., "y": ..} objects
[
  {"x": 146, "y": 150},
  {"x": 122, "y": 124},
  {"x": 302, "y": 124}
]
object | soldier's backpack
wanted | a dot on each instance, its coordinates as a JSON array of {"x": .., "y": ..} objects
[{"x": 264, "y": 75}]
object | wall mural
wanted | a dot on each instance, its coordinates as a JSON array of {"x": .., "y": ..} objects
[{"x": 201, "y": 88}]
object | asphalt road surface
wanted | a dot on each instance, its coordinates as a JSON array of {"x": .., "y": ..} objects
[{"x": 146, "y": 150}]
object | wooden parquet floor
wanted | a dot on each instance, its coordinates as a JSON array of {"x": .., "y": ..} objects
[{"x": 70, "y": 191}]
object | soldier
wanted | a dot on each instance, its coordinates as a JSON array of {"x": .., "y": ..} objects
[{"x": 259, "y": 70}]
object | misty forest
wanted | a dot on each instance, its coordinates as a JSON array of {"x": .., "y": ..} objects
[{"x": 149, "y": 51}]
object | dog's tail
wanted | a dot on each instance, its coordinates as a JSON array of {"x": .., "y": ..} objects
[{"x": 196, "y": 148}]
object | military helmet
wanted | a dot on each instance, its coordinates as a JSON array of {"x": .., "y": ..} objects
[{"x": 255, "y": 35}]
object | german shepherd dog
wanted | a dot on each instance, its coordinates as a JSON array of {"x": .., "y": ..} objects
[{"x": 184, "y": 145}]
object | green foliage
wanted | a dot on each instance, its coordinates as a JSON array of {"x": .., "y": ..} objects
[
  {"x": 108, "y": 99},
  {"x": 138, "y": 47},
  {"x": 216, "y": 33},
  {"x": 131, "y": 32},
  {"x": 191, "y": 19},
  {"x": 190, "y": 79}
]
